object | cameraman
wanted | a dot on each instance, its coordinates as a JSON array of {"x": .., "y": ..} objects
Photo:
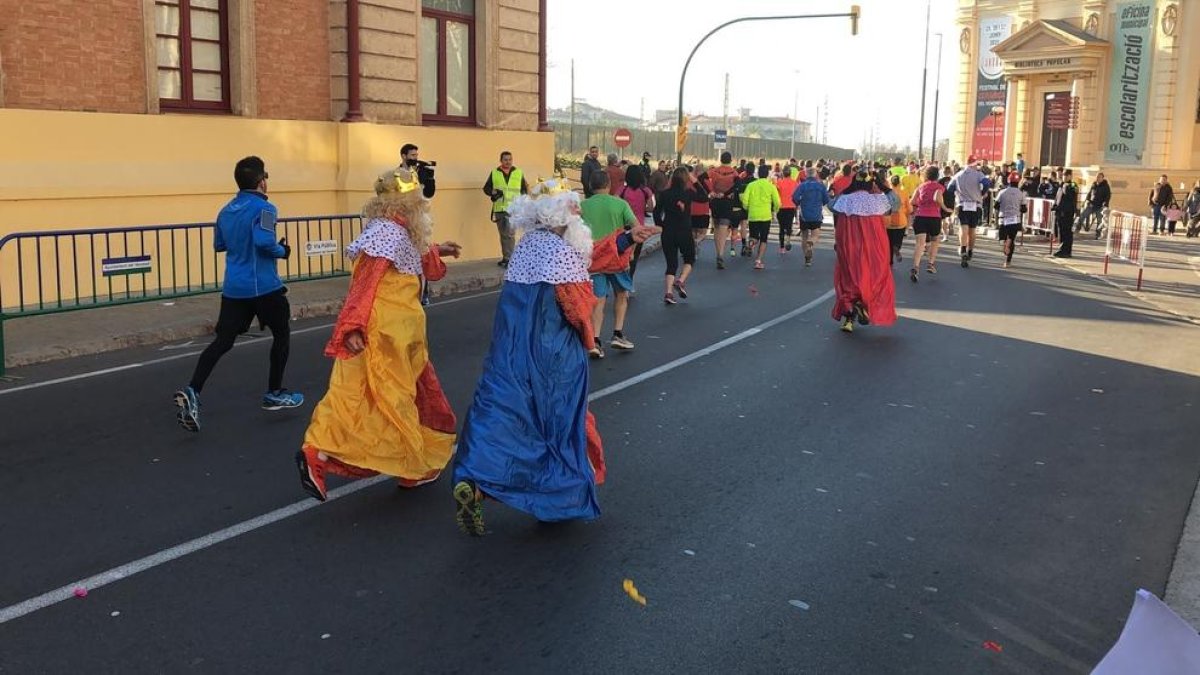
[{"x": 409, "y": 158}]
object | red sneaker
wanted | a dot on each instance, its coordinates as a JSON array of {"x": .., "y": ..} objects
[{"x": 312, "y": 473}]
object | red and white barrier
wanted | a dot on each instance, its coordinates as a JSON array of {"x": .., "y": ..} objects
[
  {"x": 1039, "y": 217},
  {"x": 1126, "y": 239}
]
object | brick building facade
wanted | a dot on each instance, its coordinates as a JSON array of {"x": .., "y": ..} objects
[{"x": 159, "y": 98}]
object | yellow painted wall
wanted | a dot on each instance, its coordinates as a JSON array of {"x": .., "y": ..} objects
[{"x": 67, "y": 170}]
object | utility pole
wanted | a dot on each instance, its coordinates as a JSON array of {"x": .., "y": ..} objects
[
  {"x": 937, "y": 91},
  {"x": 795, "y": 111},
  {"x": 924, "y": 81},
  {"x": 825, "y": 122},
  {"x": 573, "y": 107},
  {"x": 725, "y": 108}
]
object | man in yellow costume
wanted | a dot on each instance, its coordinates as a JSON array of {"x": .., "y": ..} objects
[{"x": 384, "y": 412}]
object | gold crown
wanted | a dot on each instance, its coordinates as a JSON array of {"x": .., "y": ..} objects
[
  {"x": 404, "y": 186},
  {"x": 549, "y": 188}
]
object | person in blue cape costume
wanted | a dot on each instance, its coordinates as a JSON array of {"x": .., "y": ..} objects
[{"x": 529, "y": 440}]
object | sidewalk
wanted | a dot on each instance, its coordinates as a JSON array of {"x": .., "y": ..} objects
[
  {"x": 38, "y": 339},
  {"x": 1171, "y": 281}
]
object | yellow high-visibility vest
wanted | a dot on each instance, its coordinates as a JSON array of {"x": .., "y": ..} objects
[{"x": 510, "y": 188}]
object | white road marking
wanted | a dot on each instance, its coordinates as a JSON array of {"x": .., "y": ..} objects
[
  {"x": 699, "y": 354},
  {"x": 67, "y": 592},
  {"x": 186, "y": 355}
]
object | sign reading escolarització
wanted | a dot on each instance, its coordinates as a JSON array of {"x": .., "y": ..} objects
[{"x": 1129, "y": 86}]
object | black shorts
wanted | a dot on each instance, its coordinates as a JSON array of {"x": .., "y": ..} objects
[
  {"x": 930, "y": 226},
  {"x": 737, "y": 215},
  {"x": 810, "y": 224},
  {"x": 699, "y": 222},
  {"x": 760, "y": 229},
  {"x": 721, "y": 211},
  {"x": 1009, "y": 231},
  {"x": 968, "y": 218},
  {"x": 272, "y": 310}
]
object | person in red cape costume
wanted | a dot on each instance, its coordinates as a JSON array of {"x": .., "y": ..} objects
[{"x": 862, "y": 277}]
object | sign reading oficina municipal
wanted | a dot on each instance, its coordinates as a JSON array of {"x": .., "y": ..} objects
[
  {"x": 138, "y": 264},
  {"x": 1129, "y": 84},
  {"x": 320, "y": 247}
]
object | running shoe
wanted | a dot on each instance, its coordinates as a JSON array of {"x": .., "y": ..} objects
[
  {"x": 312, "y": 473},
  {"x": 912, "y": 275},
  {"x": 758, "y": 265},
  {"x": 681, "y": 289},
  {"x": 847, "y": 325},
  {"x": 860, "y": 313},
  {"x": 282, "y": 398},
  {"x": 931, "y": 268},
  {"x": 669, "y": 299},
  {"x": 621, "y": 342},
  {"x": 970, "y": 254},
  {"x": 468, "y": 510},
  {"x": 188, "y": 403},
  {"x": 596, "y": 352},
  {"x": 720, "y": 263},
  {"x": 808, "y": 261},
  {"x": 964, "y": 262},
  {"x": 787, "y": 244}
]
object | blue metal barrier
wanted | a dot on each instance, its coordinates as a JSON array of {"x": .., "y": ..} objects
[{"x": 66, "y": 270}]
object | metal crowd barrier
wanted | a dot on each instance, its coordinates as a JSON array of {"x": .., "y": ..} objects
[
  {"x": 1126, "y": 239},
  {"x": 66, "y": 270}
]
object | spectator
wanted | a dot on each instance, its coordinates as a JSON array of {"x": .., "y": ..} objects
[
  {"x": 1161, "y": 196},
  {"x": 591, "y": 164}
]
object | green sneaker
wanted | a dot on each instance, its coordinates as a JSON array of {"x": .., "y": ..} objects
[{"x": 469, "y": 508}]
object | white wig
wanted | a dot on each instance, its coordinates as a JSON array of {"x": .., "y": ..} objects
[{"x": 551, "y": 206}]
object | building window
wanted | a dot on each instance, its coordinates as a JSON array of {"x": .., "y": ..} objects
[
  {"x": 192, "y": 44},
  {"x": 448, "y": 61}
]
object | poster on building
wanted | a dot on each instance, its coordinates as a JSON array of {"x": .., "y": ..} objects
[
  {"x": 990, "y": 90},
  {"x": 1129, "y": 84}
]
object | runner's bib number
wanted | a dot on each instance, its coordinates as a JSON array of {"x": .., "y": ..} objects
[{"x": 970, "y": 206}]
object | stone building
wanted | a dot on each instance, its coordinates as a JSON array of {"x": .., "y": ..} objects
[
  {"x": 1111, "y": 85},
  {"x": 129, "y": 112}
]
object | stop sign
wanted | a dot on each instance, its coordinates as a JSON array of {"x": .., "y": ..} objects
[{"x": 623, "y": 137}]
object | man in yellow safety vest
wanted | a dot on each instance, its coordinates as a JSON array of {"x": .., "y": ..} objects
[{"x": 503, "y": 185}]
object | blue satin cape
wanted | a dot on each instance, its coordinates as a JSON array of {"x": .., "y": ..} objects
[{"x": 524, "y": 442}]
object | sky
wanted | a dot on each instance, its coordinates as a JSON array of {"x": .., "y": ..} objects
[{"x": 635, "y": 49}]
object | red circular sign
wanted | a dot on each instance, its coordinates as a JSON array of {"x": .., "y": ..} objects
[{"x": 623, "y": 137}]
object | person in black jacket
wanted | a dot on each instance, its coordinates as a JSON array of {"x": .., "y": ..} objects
[
  {"x": 1098, "y": 196},
  {"x": 409, "y": 157},
  {"x": 1066, "y": 203},
  {"x": 591, "y": 164},
  {"x": 673, "y": 209}
]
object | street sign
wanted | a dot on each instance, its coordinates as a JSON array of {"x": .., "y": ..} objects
[
  {"x": 720, "y": 138},
  {"x": 623, "y": 137}
]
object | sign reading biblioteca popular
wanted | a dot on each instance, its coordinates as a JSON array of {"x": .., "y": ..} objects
[
  {"x": 990, "y": 90},
  {"x": 1129, "y": 86}
]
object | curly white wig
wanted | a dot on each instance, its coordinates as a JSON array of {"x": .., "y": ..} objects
[{"x": 550, "y": 206}]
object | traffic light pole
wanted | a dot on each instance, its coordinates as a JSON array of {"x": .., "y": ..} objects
[{"x": 854, "y": 13}]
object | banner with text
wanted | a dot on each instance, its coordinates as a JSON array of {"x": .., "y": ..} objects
[
  {"x": 990, "y": 90},
  {"x": 1129, "y": 85}
]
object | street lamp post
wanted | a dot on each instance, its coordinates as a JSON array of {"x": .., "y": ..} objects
[
  {"x": 997, "y": 111},
  {"x": 795, "y": 102},
  {"x": 937, "y": 93},
  {"x": 854, "y": 14},
  {"x": 924, "y": 81}
]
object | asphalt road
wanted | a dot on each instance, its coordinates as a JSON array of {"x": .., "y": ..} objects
[{"x": 1008, "y": 463}]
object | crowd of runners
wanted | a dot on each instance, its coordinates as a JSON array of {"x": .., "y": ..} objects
[{"x": 529, "y": 440}]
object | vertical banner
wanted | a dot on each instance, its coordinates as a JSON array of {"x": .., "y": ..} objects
[
  {"x": 1129, "y": 85},
  {"x": 990, "y": 90}
]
